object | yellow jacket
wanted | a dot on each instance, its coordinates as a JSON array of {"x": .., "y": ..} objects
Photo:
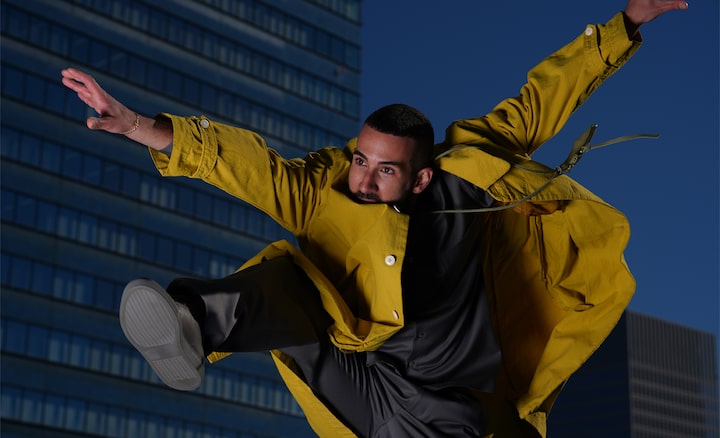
[{"x": 556, "y": 277}]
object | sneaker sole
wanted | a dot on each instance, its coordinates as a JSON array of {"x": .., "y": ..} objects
[{"x": 149, "y": 319}]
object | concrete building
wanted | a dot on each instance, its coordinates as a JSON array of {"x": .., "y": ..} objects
[
  {"x": 83, "y": 212},
  {"x": 650, "y": 379}
]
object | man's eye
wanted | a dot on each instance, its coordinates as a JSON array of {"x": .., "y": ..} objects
[
  {"x": 359, "y": 161},
  {"x": 388, "y": 170}
]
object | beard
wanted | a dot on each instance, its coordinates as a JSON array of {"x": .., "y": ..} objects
[
  {"x": 405, "y": 201},
  {"x": 366, "y": 197}
]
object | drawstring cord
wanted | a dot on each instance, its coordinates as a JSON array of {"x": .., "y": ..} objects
[{"x": 580, "y": 147}]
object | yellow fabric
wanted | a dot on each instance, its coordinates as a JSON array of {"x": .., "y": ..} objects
[
  {"x": 556, "y": 277},
  {"x": 557, "y": 282}
]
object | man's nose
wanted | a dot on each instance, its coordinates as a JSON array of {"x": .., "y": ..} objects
[{"x": 367, "y": 184}]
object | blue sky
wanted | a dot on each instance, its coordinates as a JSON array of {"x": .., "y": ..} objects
[{"x": 458, "y": 60}]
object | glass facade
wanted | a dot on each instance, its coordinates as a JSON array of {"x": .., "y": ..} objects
[
  {"x": 84, "y": 212},
  {"x": 650, "y": 379}
]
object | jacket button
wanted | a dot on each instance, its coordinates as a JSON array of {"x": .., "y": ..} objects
[
  {"x": 390, "y": 260},
  {"x": 205, "y": 123},
  {"x": 396, "y": 315},
  {"x": 588, "y": 31}
]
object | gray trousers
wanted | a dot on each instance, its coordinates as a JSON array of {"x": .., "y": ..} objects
[{"x": 273, "y": 305}]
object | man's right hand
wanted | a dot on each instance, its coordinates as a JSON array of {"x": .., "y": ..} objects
[{"x": 113, "y": 116}]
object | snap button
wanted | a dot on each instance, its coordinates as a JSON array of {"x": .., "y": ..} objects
[
  {"x": 390, "y": 260},
  {"x": 205, "y": 123},
  {"x": 588, "y": 31},
  {"x": 396, "y": 315}
]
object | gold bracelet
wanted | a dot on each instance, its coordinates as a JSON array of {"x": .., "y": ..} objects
[{"x": 136, "y": 125}]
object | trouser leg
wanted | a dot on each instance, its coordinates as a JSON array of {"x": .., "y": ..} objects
[
  {"x": 267, "y": 306},
  {"x": 274, "y": 305},
  {"x": 340, "y": 380}
]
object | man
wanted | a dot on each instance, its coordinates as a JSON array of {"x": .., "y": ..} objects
[{"x": 496, "y": 309}]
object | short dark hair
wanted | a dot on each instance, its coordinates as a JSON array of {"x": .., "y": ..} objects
[{"x": 405, "y": 121}]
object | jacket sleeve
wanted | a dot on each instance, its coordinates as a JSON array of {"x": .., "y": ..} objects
[
  {"x": 239, "y": 162},
  {"x": 555, "y": 88}
]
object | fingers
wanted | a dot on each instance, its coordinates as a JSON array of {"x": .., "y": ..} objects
[
  {"x": 79, "y": 81},
  {"x": 112, "y": 115},
  {"x": 673, "y": 6},
  {"x": 72, "y": 79},
  {"x": 73, "y": 84},
  {"x": 87, "y": 90},
  {"x": 92, "y": 95},
  {"x": 76, "y": 75}
]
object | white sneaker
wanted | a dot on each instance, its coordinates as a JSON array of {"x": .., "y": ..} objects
[{"x": 164, "y": 332}]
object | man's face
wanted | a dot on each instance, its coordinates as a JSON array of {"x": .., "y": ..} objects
[{"x": 381, "y": 168}]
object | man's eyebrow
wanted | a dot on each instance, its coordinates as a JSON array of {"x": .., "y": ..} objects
[{"x": 386, "y": 163}]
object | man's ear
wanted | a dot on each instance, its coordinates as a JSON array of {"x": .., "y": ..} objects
[{"x": 422, "y": 179}]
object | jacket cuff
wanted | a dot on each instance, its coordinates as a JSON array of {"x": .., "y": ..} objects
[
  {"x": 611, "y": 42},
  {"x": 194, "y": 151}
]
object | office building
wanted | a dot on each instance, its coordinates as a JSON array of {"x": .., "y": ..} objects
[
  {"x": 650, "y": 379},
  {"x": 83, "y": 211}
]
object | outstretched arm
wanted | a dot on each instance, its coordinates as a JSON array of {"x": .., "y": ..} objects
[
  {"x": 561, "y": 83},
  {"x": 639, "y": 12},
  {"x": 114, "y": 117}
]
